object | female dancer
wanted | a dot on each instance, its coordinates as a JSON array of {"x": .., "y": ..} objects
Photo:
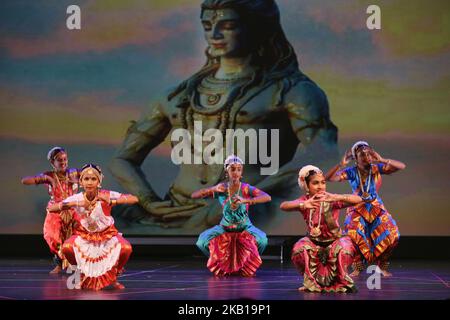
[
  {"x": 97, "y": 248},
  {"x": 62, "y": 182},
  {"x": 369, "y": 224},
  {"x": 234, "y": 246},
  {"x": 324, "y": 255}
]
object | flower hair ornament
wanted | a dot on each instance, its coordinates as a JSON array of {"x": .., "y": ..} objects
[
  {"x": 358, "y": 145},
  {"x": 304, "y": 173},
  {"x": 232, "y": 159},
  {"x": 92, "y": 169}
]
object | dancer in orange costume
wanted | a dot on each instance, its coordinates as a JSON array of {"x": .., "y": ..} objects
[{"x": 62, "y": 182}]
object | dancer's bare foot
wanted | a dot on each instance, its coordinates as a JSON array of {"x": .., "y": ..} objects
[
  {"x": 355, "y": 273},
  {"x": 56, "y": 270},
  {"x": 117, "y": 285},
  {"x": 302, "y": 289},
  {"x": 386, "y": 273}
]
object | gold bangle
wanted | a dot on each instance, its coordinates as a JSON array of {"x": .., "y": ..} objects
[{"x": 301, "y": 205}]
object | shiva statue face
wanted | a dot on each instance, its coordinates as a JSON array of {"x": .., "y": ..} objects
[{"x": 225, "y": 33}]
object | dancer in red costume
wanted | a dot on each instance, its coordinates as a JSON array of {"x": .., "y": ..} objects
[
  {"x": 62, "y": 182},
  {"x": 324, "y": 255},
  {"x": 97, "y": 249},
  {"x": 233, "y": 246}
]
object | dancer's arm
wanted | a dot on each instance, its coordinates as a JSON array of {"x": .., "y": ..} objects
[
  {"x": 331, "y": 175},
  {"x": 122, "y": 199},
  {"x": 347, "y": 199},
  {"x": 258, "y": 196},
  {"x": 39, "y": 179},
  {"x": 390, "y": 165},
  {"x": 65, "y": 205},
  {"x": 297, "y": 204},
  {"x": 127, "y": 199},
  {"x": 208, "y": 192}
]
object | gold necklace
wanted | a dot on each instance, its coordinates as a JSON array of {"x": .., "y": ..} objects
[
  {"x": 233, "y": 206},
  {"x": 315, "y": 231},
  {"x": 91, "y": 203},
  {"x": 365, "y": 191},
  {"x": 66, "y": 180}
]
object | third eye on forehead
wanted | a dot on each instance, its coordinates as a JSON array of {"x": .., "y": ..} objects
[{"x": 213, "y": 16}]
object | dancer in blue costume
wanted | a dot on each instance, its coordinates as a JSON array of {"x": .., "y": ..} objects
[
  {"x": 368, "y": 224},
  {"x": 235, "y": 232}
]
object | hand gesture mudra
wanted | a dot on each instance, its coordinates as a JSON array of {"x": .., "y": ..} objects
[
  {"x": 219, "y": 188},
  {"x": 346, "y": 158},
  {"x": 375, "y": 156},
  {"x": 313, "y": 202},
  {"x": 239, "y": 200}
]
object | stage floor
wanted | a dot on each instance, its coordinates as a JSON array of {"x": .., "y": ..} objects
[{"x": 188, "y": 279}]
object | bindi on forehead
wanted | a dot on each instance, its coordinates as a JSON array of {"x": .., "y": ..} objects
[{"x": 219, "y": 15}]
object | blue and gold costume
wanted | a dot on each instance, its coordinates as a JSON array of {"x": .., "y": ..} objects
[
  {"x": 369, "y": 224},
  {"x": 234, "y": 220}
]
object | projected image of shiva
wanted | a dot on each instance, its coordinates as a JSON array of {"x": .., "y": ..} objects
[{"x": 251, "y": 80}]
